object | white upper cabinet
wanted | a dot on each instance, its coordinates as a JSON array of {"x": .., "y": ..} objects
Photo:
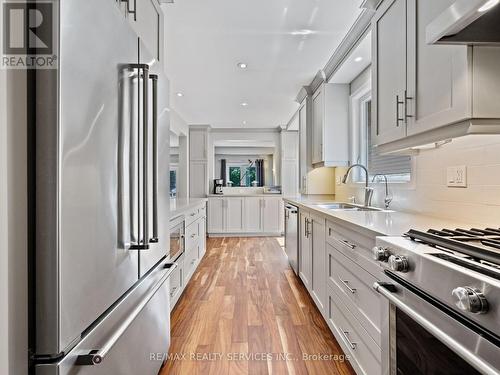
[
  {"x": 304, "y": 144},
  {"x": 389, "y": 71},
  {"x": 426, "y": 93},
  {"x": 198, "y": 144},
  {"x": 330, "y": 121}
]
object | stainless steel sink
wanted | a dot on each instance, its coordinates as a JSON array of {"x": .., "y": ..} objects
[{"x": 345, "y": 207}]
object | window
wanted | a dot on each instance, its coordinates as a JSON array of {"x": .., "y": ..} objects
[
  {"x": 173, "y": 182},
  {"x": 396, "y": 168},
  {"x": 242, "y": 175}
]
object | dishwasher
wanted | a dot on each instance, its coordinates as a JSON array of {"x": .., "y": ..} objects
[{"x": 291, "y": 237}]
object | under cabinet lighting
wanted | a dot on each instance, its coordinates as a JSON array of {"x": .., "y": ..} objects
[{"x": 490, "y": 4}]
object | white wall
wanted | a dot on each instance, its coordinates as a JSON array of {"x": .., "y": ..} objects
[{"x": 428, "y": 194}]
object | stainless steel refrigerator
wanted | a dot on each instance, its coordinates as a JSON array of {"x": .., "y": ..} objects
[{"x": 99, "y": 301}]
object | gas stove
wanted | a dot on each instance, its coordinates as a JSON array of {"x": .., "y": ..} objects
[
  {"x": 458, "y": 267},
  {"x": 444, "y": 284}
]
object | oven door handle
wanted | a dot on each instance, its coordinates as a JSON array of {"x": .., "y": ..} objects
[{"x": 387, "y": 290}]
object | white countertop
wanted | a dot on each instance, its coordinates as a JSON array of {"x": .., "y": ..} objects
[
  {"x": 243, "y": 195},
  {"x": 179, "y": 206},
  {"x": 386, "y": 223}
]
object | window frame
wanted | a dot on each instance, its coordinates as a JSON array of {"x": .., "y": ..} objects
[
  {"x": 243, "y": 167},
  {"x": 173, "y": 168},
  {"x": 358, "y": 139}
]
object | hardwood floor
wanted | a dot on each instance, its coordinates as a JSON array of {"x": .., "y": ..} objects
[{"x": 245, "y": 312}]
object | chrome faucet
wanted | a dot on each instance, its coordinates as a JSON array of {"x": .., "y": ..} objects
[
  {"x": 368, "y": 190},
  {"x": 388, "y": 198}
]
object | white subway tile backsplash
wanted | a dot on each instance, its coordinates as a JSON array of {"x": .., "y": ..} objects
[{"x": 428, "y": 194}]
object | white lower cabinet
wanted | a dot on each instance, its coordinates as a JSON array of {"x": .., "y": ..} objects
[
  {"x": 305, "y": 248},
  {"x": 365, "y": 354},
  {"x": 195, "y": 222},
  {"x": 336, "y": 268},
  {"x": 245, "y": 216},
  {"x": 318, "y": 253}
]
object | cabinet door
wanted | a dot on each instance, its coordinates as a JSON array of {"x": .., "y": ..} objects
[
  {"x": 318, "y": 254},
  {"x": 202, "y": 229},
  {"x": 198, "y": 179},
  {"x": 147, "y": 23},
  {"x": 234, "y": 208},
  {"x": 439, "y": 82},
  {"x": 389, "y": 71},
  {"x": 271, "y": 215},
  {"x": 198, "y": 145},
  {"x": 216, "y": 215},
  {"x": 305, "y": 265},
  {"x": 304, "y": 148},
  {"x": 253, "y": 214},
  {"x": 317, "y": 128}
]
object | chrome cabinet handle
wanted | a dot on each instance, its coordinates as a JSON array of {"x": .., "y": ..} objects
[
  {"x": 347, "y": 244},
  {"x": 154, "y": 79},
  {"x": 346, "y": 284},
  {"x": 142, "y": 242},
  {"x": 345, "y": 334},
  {"x": 398, "y": 103},
  {"x": 95, "y": 357},
  {"x": 387, "y": 290}
]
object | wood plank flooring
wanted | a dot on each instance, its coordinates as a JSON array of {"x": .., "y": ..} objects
[{"x": 245, "y": 312}]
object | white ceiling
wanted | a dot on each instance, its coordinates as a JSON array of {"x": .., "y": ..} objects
[{"x": 205, "y": 39}]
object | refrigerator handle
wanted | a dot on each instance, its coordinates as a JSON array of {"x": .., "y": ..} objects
[
  {"x": 131, "y": 11},
  {"x": 154, "y": 80},
  {"x": 143, "y": 240},
  {"x": 95, "y": 357}
]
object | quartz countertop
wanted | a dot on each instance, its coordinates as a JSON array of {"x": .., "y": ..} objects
[
  {"x": 243, "y": 195},
  {"x": 179, "y": 206},
  {"x": 378, "y": 223}
]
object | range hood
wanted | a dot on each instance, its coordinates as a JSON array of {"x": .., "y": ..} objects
[{"x": 469, "y": 22}]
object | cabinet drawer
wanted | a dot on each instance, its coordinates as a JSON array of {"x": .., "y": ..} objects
[
  {"x": 354, "y": 286},
  {"x": 355, "y": 341},
  {"x": 192, "y": 235},
  {"x": 175, "y": 284},
  {"x": 192, "y": 215},
  {"x": 353, "y": 245},
  {"x": 190, "y": 263}
]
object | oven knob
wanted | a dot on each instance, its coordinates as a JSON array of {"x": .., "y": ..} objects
[
  {"x": 399, "y": 263},
  {"x": 380, "y": 253},
  {"x": 470, "y": 300}
]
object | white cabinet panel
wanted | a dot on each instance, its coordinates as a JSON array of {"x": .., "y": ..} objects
[
  {"x": 198, "y": 144},
  {"x": 318, "y": 254},
  {"x": 271, "y": 215},
  {"x": 317, "y": 126},
  {"x": 305, "y": 248},
  {"x": 147, "y": 23},
  {"x": 216, "y": 215},
  {"x": 253, "y": 214},
  {"x": 198, "y": 179},
  {"x": 304, "y": 144},
  {"x": 389, "y": 71},
  {"x": 234, "y": 208}
]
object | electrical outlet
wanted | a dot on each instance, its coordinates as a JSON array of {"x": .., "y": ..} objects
[{"x": 456, "y": 176}]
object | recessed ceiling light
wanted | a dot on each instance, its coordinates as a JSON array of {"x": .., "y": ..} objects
[
  {"x": 358, "y": 59},
  {"x": 180, "y": 94},
  {"x": 244, "y": 104},
  {"x": 489, "y": 4},
  {"x": 244, "y": 122},
  {"x": 303, "y": 32},
  {"x": 242, "y": 65}
]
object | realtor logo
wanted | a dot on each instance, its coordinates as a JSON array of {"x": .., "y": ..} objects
[{"x": 28, "y": 37}]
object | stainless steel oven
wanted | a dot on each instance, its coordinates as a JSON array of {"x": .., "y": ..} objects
[
  {"x": 177, "y": 240},
  {"x": 443, "y": 317}
]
